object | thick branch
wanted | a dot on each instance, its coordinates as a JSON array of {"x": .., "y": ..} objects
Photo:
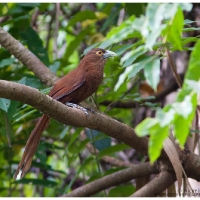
[
  {"x": 27, "y": 58},
  {"x": 97, "y": 121},
  {"x": 114, "y": 179},
  {"x": 73, "y": 117},
  {"x": 157, "y": 185}
]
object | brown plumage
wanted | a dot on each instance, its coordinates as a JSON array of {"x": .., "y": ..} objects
[{"x": 74, "y": 87}]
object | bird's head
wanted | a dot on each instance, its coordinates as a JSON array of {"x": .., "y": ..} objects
[{"x": 98, "y": 55}]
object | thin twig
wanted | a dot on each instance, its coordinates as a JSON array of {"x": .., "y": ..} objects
[{"x": 173, "y": 66}]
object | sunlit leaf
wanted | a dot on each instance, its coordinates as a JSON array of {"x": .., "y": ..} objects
[
  {"x": 152, "y": 73},
  {"x": 157, "y": 136}
]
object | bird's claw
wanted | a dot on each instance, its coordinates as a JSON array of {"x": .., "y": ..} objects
[{"x": 73, "y": 105}]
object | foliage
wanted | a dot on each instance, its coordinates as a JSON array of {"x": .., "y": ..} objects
[{"x": 140, "y": 39}]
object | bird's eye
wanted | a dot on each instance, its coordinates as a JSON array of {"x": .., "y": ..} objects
[{"x": 99, "y": 53}]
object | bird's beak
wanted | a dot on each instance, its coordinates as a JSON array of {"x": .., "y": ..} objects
[{"x": 109, "y": 54}]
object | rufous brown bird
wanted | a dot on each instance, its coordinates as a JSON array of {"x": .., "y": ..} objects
[{"x": 71, "y": 89}]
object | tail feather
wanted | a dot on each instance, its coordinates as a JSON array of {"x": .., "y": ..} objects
[{"x": 31, "y": 146}]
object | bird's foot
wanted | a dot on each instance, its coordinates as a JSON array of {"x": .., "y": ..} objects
[{"x": 73, "y": 105}]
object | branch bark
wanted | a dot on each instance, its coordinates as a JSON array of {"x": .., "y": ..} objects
[
  {"x": 114, "y": 179},
  {"x": 27, "y": 58},
  {"x": 74, "y": 117},
  {"x": 157, "y": 185}
]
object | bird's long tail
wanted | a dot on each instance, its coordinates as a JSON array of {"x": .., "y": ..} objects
[{"x": 31, "y": 146}]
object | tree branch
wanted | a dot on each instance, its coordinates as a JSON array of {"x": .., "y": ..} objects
[
  {"x": 27, "y": 58},
  {"x": 114, "y": 179},
  {"x": 157, "y": 185},
  {"x": 74, "y": 117}
]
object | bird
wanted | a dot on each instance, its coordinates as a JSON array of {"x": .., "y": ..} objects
[{"x": 71, "y": 89}]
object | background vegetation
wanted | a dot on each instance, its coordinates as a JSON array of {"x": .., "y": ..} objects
[{"x": 151, "y": 89}]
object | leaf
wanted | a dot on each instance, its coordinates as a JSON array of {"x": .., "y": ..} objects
[
  {"x": 74, "y": 137},
  {"x": 122, "y": 77},
  {"x": 83, "y": 165},
  {"x": 122, "y": 191},
  {"x": 157, "y": 137},
  {"x": 131, "y": 56},
  {"x": 35, "y": 44},
  {"x": 113, "y": 149},
  {"x": 81, "y": 16},
  {"x": 174, "y": 29},
  {"x": 45, "y": 183},
  {"x": 155, "y": 15},
  {"x": 194, "y": 85},
  {"x": 183, "y": 108},
  {"x": 135, "y": 68},
  {"x": 152, "y": 73},
  {"x": 165, "y": 118},
  {"x": 123, "y": 48},
  {"x": 76, "y": 42},
  {"x": 186, "y": 6},
  {"x": 101, "y": 141},
  {"x": 194, "y": 62},
  {"x": 174, "y": 159},
  {"x": 142, "y": 129},
  {"x": 4, "y": 104},
  {"x": 6, "y": 62},
  {"x": 136, "y": 9},
  {"x": 181, "y": 129},
  {"x": 183, "y": 123},
  {"x": 189, "y": 39}
]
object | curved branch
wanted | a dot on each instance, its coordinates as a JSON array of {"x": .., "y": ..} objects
[
  {"x": 73, "y": 117},
  {"x": 97, "y": 121},
  {"x": 157, "y": 185},
  {"x": 27, "y": 58},
  {"x": 114, "y": 179}
]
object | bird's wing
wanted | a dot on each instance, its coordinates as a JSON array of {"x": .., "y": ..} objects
[
  {"x": 62, "y": 93},
  {"x": 61, "y": 89}
]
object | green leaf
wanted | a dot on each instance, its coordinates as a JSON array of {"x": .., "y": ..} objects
[
  {"x": 155, "y": 15},
  {"x": 131, "y": 71},
  {"x": 113, "y": 149},
  {"x": 152, "y": 73},
  {"x": 142, "y": 129},
  {"x": 6, "y": 62},
  {"x": 182, "y": 123},
  {"x": 45, "y": 183},
  {"x": 173, "y": 32},
  {"x": 123, "y": 48},
  {"x": 183, "y": 108},
  {"x": 131, "y": 56},
  {"x": 35, "y": 44},
  {"x": 74, "y": 137},
  {"x": 76, "y": 42},
  {"x": 165, "y": 118},
  {"x": 194, "y": 85},
  {"x": 157, "y": 136},
  {"x": 81, "y": 16},
  {"x": 83, "y": 165},
  {"x": 122, "y": 191},
  {"x": 120, "y": 30},
  {"x": 194, "y": 63},
  {"x": 4, "y": 104},
  {"x": 136, "y": 9},
  {"x": 135, "y": 68},
  {"x": 190, "y": 39}
]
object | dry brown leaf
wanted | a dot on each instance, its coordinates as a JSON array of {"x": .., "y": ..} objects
[{"x": 174, "y": 158}]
